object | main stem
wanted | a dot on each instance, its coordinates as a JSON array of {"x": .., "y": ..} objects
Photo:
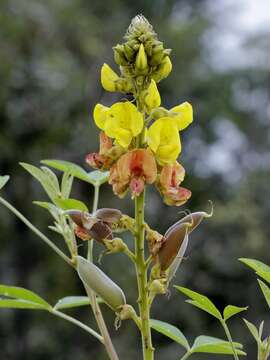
[
  {"x": 94, "y": 304},
  {"x": 229, "y": 337}
]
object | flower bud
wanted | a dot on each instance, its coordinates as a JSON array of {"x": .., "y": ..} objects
[
  {"x": 116, "y": 245},
  {"x": 108, "y": 78},
  {"x": 141, "y": 60},
  {"x": 100, "y": 283},
  {"x": 119, "y": 55},
  {"x": 174, "y": 238},
  {"x": 158, "y": 286},
  {"x": 108, "y": 215},
  {"x": 129, "y": 52},
  {"x": 152, "y": 98},
  {"x": 163, "y": 70}
]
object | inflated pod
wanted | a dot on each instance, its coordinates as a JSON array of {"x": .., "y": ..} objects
[
  {"x": 194, "y": 219},
  {"x": 174, "y": 237},
  {"x": 100, "y": 283},
  {"x": 108, "y": 215},
  {"x": 178, "y": 259}
]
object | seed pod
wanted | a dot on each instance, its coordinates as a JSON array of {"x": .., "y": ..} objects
[
  {"x": 100, "y": 283},
  {"x": 194, "y": 219},
  {"x": 108, "y": 215},
  {"x": 174, "y": 238},
  {"x": 178, "y": 259}
]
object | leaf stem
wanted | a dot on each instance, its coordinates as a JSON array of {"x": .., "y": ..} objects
[
  {"x": 229, "y": 337},
  {"x": 93, "y": 298},
  {"x": 36, "y": 231},
  {"x": 78, "y": 323}
]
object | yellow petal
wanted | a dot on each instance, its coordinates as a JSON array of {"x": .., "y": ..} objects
[
  {"x": 163, "y": 139},
  {"x": 108, "y": 78},
  {"x": 100, "y": 115},
  {"x": 123, "y": 137},
  {"x": 152, "y": 97},
  {"x": 183, "y": 115}
]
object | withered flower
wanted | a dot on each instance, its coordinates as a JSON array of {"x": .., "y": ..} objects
[
  {"x": 107, "y": 155},
  {"x": 133, "y": 170},
  {"x": 169, "y": 182}
]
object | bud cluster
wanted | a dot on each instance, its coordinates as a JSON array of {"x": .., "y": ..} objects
[{"x": 142, "y": 54}]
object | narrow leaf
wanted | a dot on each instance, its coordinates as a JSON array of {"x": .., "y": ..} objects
[
  {"x": 170, "y": 331},
  {"x": 3, "y": 180},
  {"x": 266, "y": 291},
  {"x": 253, "y": 330},
  {"x": 260, "y": 268},
  {"x": 211, "y": 345},
  {"x": 21, "y": 304},
  {"x": 67, "y": 204},
  {"x": 23, "y": 294},
  {"x": 71, "y": 302},
  {"x": 200, "y": 301},
  {"x": 231, "y": 310},
  {"x": 66, "y": 184}
]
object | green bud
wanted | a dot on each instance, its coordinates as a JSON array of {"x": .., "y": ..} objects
[
  {"x": 141, "y": 60},
  {"x": 123, "y": 85},
  {"x": 158, "y": 286},
  {"x": 116, "y": 245},
  {"x": 119, "y": 55},
  {"x": 163, "y": 70},
  {"x": 129, "y": 52},
  {"x": 100, "y": 283}
]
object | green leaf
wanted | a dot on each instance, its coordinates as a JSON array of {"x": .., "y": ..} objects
[
  {"x": 170, "y": 331},
  {"x": 211, "y": 345},
  {"x": 43, "y": 178},
  {"x": 3, "y": 180},
  {"x": 67, "y": 204},
  {"x": 266, "y": 291},
  {"x": 73, "y": 301},
  {"x": 231, "y": 310},
  {"x": 200, "y": 301},
  {"x": 99, "y": 177},
  {"x": 66, "y": 184},
  {"x": 260, "y": 268},
  {"x": 23, "y": 294},
  {"x": 253, "y": 330},
  {"x": 95, "y": 177},
  {"x": 20, "y": 304}
]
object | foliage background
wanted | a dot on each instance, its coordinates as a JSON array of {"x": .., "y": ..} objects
[{"x": 51, "y": 53}]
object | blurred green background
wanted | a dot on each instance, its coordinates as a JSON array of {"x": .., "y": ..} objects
[{"x": 50, "y": 57}]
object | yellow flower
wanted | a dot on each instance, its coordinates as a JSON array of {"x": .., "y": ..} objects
[
  {"x": 122, "y": 121},
  {"x": 108, "y": 78},
  {"x": 183, "y": 114},
  {"x": 152, "y": 98},
  {"x": 164, "y": 140}
]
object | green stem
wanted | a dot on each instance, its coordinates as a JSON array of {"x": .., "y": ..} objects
[
  {"x": 36, "y": 231},
  {"x": 78, "y": 323},
  {"x": 186, "y": 355},
  {"x": 229, "y": 337},
  {"x": 94, "y": 208},
  {"x": 94, "y": 304},
  {"x": 141, "y": 271}
]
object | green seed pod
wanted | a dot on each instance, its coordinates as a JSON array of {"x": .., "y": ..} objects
[
  {"x": 174, "y": 238},
  {"x": 108, "y": 215},
  {"x": 101, "y": 284}
]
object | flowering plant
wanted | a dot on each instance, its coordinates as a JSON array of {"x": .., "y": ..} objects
[{"x": 139, "y": 146}]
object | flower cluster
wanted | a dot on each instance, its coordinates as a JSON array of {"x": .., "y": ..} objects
[{"x": 140, "y": 144}]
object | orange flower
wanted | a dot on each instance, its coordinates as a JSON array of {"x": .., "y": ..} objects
[
  {"x": 133, "y": 170},
  {"x": 107, "y": 154},
  {"x": 170, "y": 178}
]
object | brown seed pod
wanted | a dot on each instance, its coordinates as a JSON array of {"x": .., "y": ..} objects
[
  {"x": 174, "y": 238},
  {"x": 108, "y": 215},
  {"x": 194, "y": 219}
]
